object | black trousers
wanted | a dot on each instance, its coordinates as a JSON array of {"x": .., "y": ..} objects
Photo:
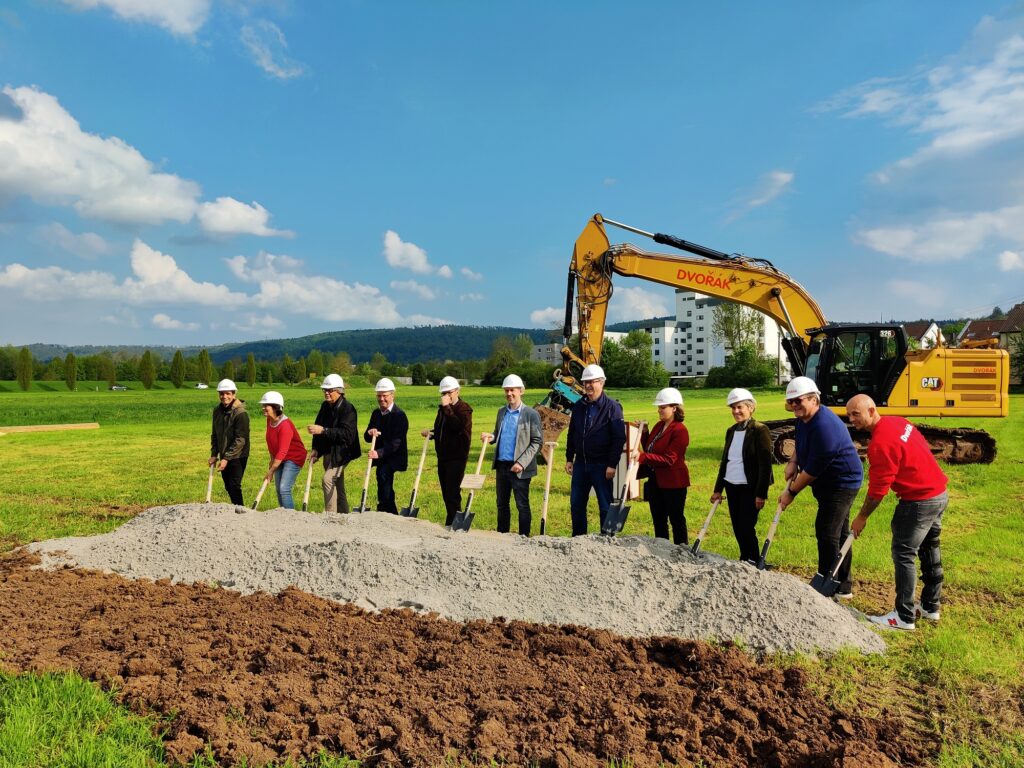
[
  {"x": 507, "y": 484},
  {"x": 743, "y": 515},
  {"x": 831, "y": 527},
  {"x": 668, "y": 505},
  {"x": 386, "y": 489},
  {"x": 232, "y": 476},
  {"x": 450, "y": 473}
]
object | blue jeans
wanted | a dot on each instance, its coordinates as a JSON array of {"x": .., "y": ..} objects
[
  {"x": 585, "y": 477},
  {"x": 916, "y": 526},
  {"x": 284, "y": 479}
]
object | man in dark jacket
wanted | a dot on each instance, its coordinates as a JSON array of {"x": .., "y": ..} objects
[
  {"x": 390, "y": 425},
  {"x": 229, "y": 439},
  {"x": 336, "y": 438},
  {"x": 593, "y": 448},
  {"x": 452, "y": 434}
]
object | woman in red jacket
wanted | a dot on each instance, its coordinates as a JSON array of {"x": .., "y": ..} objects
[
  {"x": 664, "y": 457},
  {"x": 287, "y": 453}
]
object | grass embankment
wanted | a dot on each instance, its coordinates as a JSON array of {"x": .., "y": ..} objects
[{"x": 960, "y": 678}]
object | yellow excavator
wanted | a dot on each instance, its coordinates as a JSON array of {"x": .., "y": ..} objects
[{"x": 843, "y": 359}]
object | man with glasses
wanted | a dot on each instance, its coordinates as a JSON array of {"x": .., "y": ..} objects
[
  {"x": 336, "y": 438},
  {"x": 390, "y": 425},
  {"x": 825, "y": 459},
  {"x": 229, "y": 439},
  {"x": 593, "y": 448}
]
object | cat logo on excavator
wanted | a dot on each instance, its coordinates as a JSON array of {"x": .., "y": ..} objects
[{"x": 933, "y": 383}]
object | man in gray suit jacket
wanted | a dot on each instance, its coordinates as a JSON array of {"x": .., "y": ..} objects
[{"x": 518, "y": 435}]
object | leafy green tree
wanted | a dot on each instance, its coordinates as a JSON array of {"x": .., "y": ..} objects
[
  {"x": 205, "y": 371},
  {"x": 53, "y": 370},
  {"x": 178, "y": 369},
  {"x": 71, "y": 371},
  {"x": 107, "y": 370},
  {"x": 315, "y": 363},
  {"x": 300, "y": 370},
  {"x": 630, "y": 364},
  {"x": 8, "y": 360},
  {"x": 746, "y": 367},
  {"x": 377, "y": 361},
  {"x": 996, "y": 314},
  {"x": 227, "y": 371},
  {"x": 250, "y": 370},
  {"x": 419, "y": 373},
  {"x": 288, "y": 369},
  {"x": 147, "y": 370},
  {"x": 341, "y": 364},
  {"x": 735, "y": 325},
  {"x": 1016, "y": 346},
  {"x": 24, "y": 368}
]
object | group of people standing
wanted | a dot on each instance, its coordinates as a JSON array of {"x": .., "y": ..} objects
[{"x": 825, "y": 459}]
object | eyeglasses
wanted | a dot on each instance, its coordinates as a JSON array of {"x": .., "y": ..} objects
[{"x": 796, "y": 400}]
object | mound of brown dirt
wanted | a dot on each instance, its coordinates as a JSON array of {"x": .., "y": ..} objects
[{"x": 267, "y": 677}]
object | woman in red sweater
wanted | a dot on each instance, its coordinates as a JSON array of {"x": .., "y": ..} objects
[
  {"x": 287, "y": 453},
  {"x": 664, "y": 456}
]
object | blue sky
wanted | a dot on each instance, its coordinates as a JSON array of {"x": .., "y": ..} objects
[{"x": 202, "y": 171}]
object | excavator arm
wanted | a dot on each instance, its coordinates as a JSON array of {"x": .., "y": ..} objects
[{"x": 755, "y": 283}]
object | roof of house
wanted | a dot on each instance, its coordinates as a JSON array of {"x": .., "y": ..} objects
[
  {"x": 917, "y": 330},
  {"x": 983, "y": 329},
  {"x": 1015, "y": 318}
]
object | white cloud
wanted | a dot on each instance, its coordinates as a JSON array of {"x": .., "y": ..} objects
[
  {"x": 945, "y": 237},
  {"x": 636, "y": 304},
  {"x": 252, "y": 323},
  {"x": 609, "y": 181},
  {"x": 403, "y": 255},
  {"x": 283, "y": 287},
  {"x": 469, "y": 274},
  {"x": 121, "y": 317},
  {"x": 444, "y": 271},
  {"x": 227, "y": 216},
  {"x": 472, "y": 297},
  {"x": 168, "y": 323},
  {"x": 180, "y": 17},
  {"x": 548, "y": 317},
  {"x": 411, "y": 286},
  {"x": 87, "y": 245},
  {"x": 769, "y": 187},
  {"x": 156, "y": 279},
  {"x": 268, "y": 47},
  {"x": 45, "y": 155},
  {"x": 1010, "y": 261},
  {"x": 427, "y": 320}
]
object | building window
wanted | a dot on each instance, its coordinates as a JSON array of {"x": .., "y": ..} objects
[
  {"x": 701, "y": 328},
  {"x": 700, "y": 339},
  {"x": 689, "y": 313}
]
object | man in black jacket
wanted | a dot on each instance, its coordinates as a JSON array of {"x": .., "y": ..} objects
[
  {"x": 336, "y": 438},
  {"x": 229, "y": 439},
  {"x": 391, "y": 453}
]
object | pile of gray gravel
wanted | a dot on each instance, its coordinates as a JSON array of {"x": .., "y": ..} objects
[{"x": 630, "y": 585}]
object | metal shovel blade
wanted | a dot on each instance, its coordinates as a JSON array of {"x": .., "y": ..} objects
[
  {"x": 362, "y": 503},
  {"x": 615, "y": 520},
  {"x": 463, "y": 520},
  {"x": 829, "y": 585},
  {"x": 411, "y": 510}
]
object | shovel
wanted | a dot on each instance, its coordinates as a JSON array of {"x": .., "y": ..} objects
[
  {"x": 366, "y": 480},
  {"x": 827, "y": 585},
  {"x": 700, "y": 536},
  {"x": 761, "y": 565},
  {"x": 256, "y": 503},
  {"x": 209, "y": 481},
  {"x": 412, "y": 510},
  {"x": 309, "y": 480},
  {"x": 618, "y": 511},
  {"x": 471, "y": 483},
  {"x": 547, "y": 488}
]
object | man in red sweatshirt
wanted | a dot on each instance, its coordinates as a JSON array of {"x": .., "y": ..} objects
[{"x": 901, "y": 460}]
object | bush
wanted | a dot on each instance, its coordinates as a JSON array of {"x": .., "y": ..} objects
[{"x": 746, "y": 368}]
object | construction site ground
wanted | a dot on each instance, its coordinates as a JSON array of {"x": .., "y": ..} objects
[{"x": 264, "y": 676}]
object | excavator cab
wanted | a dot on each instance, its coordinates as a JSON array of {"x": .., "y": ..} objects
[{"x": 847, "y": 360}]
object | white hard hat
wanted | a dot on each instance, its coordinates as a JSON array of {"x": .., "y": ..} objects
[
  {"x": 592, "y": 372},
  {"x": 668, "y": 396},
  {"x": 272, "y": 398},
  {"x": 738, "y": 395},
  {"x": 511, "y": 381},
  {"x": 385, "y": 385},
  {"x": 448, "y": 383},
  {"x": 800, "y": 386},
  {"x": 226, "y": 385},
  {"x": 333, "y": 381}
]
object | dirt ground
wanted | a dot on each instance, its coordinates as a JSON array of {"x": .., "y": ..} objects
[{"x": 272, "y": 676}]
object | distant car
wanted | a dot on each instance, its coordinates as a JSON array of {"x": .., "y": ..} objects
[
  {"x": 118, "y": 388},
  {"x": 200, "y": 385}
]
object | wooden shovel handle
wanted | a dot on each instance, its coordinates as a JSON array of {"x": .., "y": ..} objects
[
  {"x": 707, "y": 520},
  {"x": 423, "y": 459},
  {"x": 369, "y": 464},
  {"x": 547, "y": 480},
  {"x": 309, "y": 480},
  {"x": 263, "y": 489},
  {"x": 483, "y": 450}
]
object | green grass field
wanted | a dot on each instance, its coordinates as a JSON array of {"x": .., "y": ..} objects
[{"x": 962, "y": 676}]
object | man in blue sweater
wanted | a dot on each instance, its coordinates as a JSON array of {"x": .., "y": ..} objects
[
  {"x": 593, "y": 448},
  {"x": 825, "y": 459}
]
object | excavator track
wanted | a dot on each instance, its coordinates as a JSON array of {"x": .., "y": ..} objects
[{"x": 956, "y": 445}]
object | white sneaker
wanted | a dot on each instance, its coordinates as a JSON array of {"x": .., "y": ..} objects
[
  {"x": 892, "y": 620},
  {"x": 921, "y": 613}
]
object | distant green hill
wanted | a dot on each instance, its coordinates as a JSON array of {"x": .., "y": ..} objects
[{"x": 399, "y": 345}]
